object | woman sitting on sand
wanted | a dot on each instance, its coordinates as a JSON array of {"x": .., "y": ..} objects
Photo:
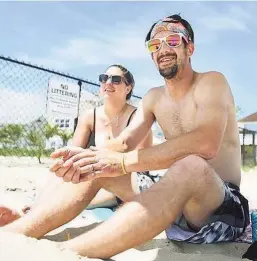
[
  {"x": 94, "y": 129},
  {"x": 108, "y": 121}
]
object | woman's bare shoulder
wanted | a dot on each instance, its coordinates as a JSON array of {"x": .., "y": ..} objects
[{"x": 87, "y": 117}]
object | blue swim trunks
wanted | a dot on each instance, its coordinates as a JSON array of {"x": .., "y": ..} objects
[{"x": 227, "y": 223}]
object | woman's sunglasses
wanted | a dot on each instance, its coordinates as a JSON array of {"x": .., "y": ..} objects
[
  {"x": 172, "y": 40},
  {"x": 115, "y": 79}
]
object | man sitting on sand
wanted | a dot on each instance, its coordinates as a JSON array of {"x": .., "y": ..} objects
[{"x": 198, "y": 198}]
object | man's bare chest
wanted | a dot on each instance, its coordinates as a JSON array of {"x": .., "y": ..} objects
[{"x": 176, "y": 119}]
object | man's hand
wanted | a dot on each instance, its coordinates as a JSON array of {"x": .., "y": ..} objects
[
  {"x": 79, "y": 164},
  {"x": 65, "y": 167},
  {"x": 115, "y": 145},
  {"x": 102, "y": 163}
]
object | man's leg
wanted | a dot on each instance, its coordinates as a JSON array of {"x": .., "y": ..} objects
[
  {"x": 189, "y": 186},
  {"x": 62, "y": 203}
]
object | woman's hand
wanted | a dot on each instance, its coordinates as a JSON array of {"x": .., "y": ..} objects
[
  {"x": 107, "y": 164},
  {"x": 65, "y": 167},
  {"x": 78, "y": 165}
]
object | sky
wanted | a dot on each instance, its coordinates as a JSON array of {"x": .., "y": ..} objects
[{"x": 83, "y": 38}]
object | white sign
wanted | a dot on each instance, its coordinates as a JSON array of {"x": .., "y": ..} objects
[
  {"x": 62, "y": 102},
  {"x": 63, "y": 98}
]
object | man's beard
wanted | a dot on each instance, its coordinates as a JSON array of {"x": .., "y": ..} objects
[{"x": 169, "y": 73}]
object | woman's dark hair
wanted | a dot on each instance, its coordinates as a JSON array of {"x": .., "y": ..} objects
[
  {"x": 175, "y": 19},
  {"x": 128, "y": 77}
]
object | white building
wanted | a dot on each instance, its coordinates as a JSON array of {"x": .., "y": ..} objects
[
  {"x": 249, "y": 124},
  {"x": 248, "y": 137}
]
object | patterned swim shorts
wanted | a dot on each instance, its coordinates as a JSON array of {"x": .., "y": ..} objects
[{"x": 227, "y": 223}]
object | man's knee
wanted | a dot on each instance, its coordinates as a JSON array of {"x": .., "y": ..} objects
[
  {"x": 191, "y": 169},
  {"x": 191, "y": 163}
]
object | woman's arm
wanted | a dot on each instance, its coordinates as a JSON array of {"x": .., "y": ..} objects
[{"x": 83, "y": 129}]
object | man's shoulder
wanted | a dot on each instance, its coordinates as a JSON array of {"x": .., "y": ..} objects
[
  {"x": 155, "y": 91},
  {"x": 211, "y": 77},
  {"x": 211, "y": 85},
  {"x": 211, "y": 81},
  {"x": 152, "y": 95}
]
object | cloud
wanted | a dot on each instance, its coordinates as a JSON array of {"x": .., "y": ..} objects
[
  {"x": 125, "y": 41},
  {"x": 96, "y": 48},
  {"x": 48, "y": 62},
  {"x": 224, "y": 23},
  {"x": 99, "y": 48},
  {"x": 240, "y": 13},
  {"x": 233, "y": 18},
  {"x": 214, "y": 19}
]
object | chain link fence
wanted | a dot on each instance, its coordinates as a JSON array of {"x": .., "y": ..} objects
[{"x": 24, "y": 129}]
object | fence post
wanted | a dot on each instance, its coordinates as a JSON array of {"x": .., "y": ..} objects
[{"x": 76, "y": 119}]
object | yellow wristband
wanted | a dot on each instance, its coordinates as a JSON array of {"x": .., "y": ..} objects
[{"x": 123, "y": 165}]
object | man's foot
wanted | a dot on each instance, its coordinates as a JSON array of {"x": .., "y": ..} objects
[{"x": 7, "y": 215}]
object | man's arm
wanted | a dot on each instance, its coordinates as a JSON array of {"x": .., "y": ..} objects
[
  {"x": 147, "y": 141},
  {"x": 212, "y": 97},
  {"x": 139, "y": 128}
]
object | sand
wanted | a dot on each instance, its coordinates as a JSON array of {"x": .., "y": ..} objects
[{"x": 21, "y": 181}]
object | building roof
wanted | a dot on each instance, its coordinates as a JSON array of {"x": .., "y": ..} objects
[{"x": 249, "y": 118}]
